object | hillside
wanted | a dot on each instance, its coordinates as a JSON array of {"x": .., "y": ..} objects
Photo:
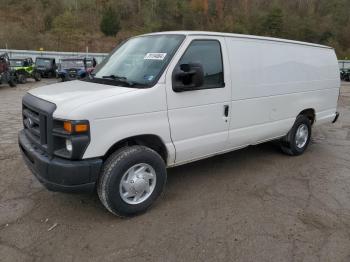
[{"x": 71, "y": 25}]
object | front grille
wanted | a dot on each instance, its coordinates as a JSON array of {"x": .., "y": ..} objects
[
  {"x": 35, "y": 125},
  {"x": 37, "y": 121},
  {"x": 72, "y": 73}
]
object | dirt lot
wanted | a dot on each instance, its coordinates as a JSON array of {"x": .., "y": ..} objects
[{"x": 255, "y": 204}]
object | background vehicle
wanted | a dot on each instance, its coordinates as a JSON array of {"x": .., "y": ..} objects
[
  {"x": 24, "y": 68},
  {"x": 46, "y": 66},
  {"x": 344, "y": 67},
  {"x": 166, "y": 99},
  {"x": 90, "y": 64},
  {"x": 345, "y": 74},
  {"x": 75, "y": 68},
  {"x": 6, "y": 74}
]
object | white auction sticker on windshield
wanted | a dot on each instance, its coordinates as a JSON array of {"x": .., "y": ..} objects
[{"x": 155, "y": 56}]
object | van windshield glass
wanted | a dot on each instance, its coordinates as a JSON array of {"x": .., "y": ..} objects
[{"x": 139, "y": 61}]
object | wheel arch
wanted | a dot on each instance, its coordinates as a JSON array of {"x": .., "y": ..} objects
[
  {"x": 149, "y": 140},
  {"x": 310, "y": 113},
  {"x": 22, "y": 71}
]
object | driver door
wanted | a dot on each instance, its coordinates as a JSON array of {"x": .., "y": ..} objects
[{"x": 199, "y": 118}]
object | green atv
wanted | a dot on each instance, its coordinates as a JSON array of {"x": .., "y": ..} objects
[{"x": 25, "y": 68}]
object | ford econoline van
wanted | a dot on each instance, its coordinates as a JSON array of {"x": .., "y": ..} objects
[{"x": 165, "y": 99}]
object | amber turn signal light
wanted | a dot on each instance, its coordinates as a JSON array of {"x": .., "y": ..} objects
[
  {"x": 67, "y": 126},
  {"x": 79, "y": 128},
  {"x": 75, "y": 128}
]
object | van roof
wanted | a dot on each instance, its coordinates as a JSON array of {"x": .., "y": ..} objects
[{"x": 207, "y": 33}]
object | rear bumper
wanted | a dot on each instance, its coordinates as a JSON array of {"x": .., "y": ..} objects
[
  {"x": 336, "y": 117},
  {"x": 58, "y": 174}
]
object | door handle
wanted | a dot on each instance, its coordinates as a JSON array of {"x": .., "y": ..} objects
[{"x": 226, "y": 110}]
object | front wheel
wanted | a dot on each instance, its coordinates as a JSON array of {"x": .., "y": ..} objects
[
  {"x": 131, "y": 180},
  {"x": 37, "y": 76},
  {"x": 298, "y": 138},
  {"x": 22, "y": 78}
]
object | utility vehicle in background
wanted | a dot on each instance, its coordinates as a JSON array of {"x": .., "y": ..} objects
[
  {"x": 75, "y": 68},
  {"x": 90, "y": 64},
  {"x": 344, "y": 67},
  {"x": 46, "y": 66},
  {"x": 7, "y": 76},
  {"x": 25, "y": 68},
  {"x": 166, "y": 99}
]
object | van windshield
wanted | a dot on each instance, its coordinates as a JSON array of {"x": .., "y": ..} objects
[{"x": 138, "y": 62}]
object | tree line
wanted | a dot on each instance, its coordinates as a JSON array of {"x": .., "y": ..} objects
[{"x": 73, "y": 25}]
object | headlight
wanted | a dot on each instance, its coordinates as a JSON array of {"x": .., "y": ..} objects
[{"x": 71, "y": 138}]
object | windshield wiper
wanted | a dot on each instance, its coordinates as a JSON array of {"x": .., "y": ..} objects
[
  {"x": 123, "y": 79},
  {"x": 115, "y": 77}
]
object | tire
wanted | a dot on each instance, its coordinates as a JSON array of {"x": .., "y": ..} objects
[
  {"x": 293, "y": 146},
  {"x": 37, "y": 76},
  {"x": 12, "y": 83},
  {"x": 115, "y": 170},
  {"x": 22, "y": 79}
]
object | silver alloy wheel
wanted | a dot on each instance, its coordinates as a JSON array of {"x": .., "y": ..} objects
[
  {"x": 301, "y": 136},
  {"x": 137, "y": 183}
]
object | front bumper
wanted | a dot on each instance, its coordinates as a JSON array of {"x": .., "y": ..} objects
[{"x": 58, "y": 174}]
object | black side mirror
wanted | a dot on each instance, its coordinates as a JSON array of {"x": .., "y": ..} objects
[{"x": 187, "y": 77}]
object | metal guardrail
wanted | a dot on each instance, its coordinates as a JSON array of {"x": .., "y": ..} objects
[
  {"x": 57, "y": 55},
  {"x": 99, "y": 56}
]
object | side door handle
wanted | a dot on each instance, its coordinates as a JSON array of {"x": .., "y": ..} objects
[{"x": 226, "y": 110}]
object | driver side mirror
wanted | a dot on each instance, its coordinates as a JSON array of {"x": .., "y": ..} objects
[{"x": 187, "y": 77}]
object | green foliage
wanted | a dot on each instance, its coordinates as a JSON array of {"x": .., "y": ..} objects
[
  {"x": 110, "y": 24},
  {"x": 273, "y": 22},
  {"x": 64, "y": 23}
]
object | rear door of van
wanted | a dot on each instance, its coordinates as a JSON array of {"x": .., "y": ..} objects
[{"x": 199, "y": 119}]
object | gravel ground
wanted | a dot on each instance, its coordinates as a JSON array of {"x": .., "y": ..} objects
[{"x": 254, "y": 204}]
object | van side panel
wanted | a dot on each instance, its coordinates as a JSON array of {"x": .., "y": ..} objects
[
  {"x": 272, "y": 82},
  {"x": 117, "y": 119}
]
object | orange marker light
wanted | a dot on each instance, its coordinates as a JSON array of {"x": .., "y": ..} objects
[
  {"x": 79, "y": 128},
  {"x": 67, "y": 126}
]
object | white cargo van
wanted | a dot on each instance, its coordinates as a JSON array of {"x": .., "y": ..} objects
[{"x": 166, "y": 99}]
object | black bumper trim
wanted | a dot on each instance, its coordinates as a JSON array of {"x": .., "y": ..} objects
[
  {"x": 336, "y": 117},
  {"x": 58, "y": 174}
]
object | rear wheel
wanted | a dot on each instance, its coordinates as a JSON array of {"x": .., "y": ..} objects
[
  {"x": 131, "y": 180},
  {"x": 12, "y": 82},
  {"x": 298, "y": 138}
]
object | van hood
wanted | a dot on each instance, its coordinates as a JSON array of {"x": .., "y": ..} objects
[{"x": 75, "y": 93}]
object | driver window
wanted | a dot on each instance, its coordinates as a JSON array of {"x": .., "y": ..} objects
[{"x": 208, "y": 54}]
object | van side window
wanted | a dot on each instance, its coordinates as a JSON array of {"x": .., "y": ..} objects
[{"x": 208, "y": 54}]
